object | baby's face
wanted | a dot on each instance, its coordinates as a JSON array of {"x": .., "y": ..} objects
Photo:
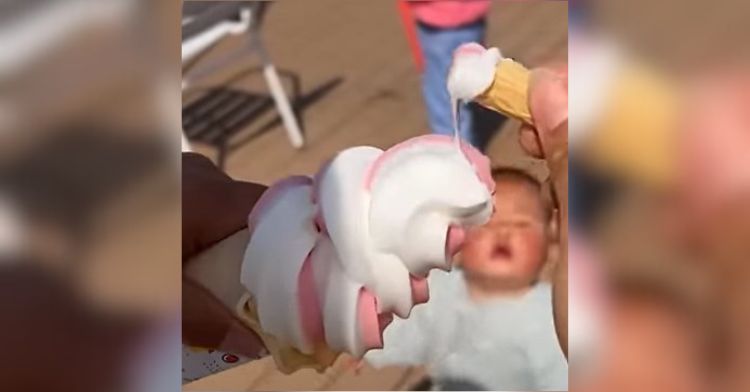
[{"x": 512, "y": 247}]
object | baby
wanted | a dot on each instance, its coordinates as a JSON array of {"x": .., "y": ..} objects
[
  {"x": 488, "y": 324},
  {"x": 505, "y": 256}
]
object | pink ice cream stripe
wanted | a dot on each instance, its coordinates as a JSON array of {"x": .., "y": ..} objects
[
  {"x": 420, "y": 292},
  {"x": 384, "y": 319},
  {"x": 368, "y": 320},
  {"x": 480, "y": 162},
  {"x": 271, "y": 195},
  {"x": 454, "y": 240}
]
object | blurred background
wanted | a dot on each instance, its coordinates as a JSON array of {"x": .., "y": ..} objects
[
  {"x": 351, "y": 77},
  {"x": 89, "y": 190},
  {"x": 660, "y": 152}
]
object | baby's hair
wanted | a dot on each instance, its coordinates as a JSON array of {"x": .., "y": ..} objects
[{"x": 515, "y": 174}]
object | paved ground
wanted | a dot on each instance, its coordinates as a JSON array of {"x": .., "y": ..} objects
[
  {"x": 357, "y": 53},
  {"x": 360, "y": 50}
]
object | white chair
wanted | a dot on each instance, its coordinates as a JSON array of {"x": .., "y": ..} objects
[{"x": 205, "y": 23}]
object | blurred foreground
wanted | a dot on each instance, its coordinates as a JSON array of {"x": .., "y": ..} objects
[
  {"x": 660, "y": 171},
  {"x": 89, "y": 195}
]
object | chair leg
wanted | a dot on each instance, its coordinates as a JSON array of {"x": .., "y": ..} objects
[
  {"x": 221, "y": 159},
  {"x": 282, "y": 104}
]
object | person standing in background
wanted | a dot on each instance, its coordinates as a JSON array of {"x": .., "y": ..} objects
[{"x": 442, "y": 26}]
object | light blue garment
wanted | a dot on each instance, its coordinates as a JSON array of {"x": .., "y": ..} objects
[
  {"x": 506, "y": 344},
  {"x": 437, "y": 46}
]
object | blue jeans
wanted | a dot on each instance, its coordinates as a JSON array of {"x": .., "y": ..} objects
[{"x": 437, "y": 46}]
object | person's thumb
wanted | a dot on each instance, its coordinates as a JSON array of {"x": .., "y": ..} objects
[{"x": 548, "y": 100}]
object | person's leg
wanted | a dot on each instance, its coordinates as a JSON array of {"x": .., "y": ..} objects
[{"x": 437, "y": 48}]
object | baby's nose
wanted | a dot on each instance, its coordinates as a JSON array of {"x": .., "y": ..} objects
[{"x": 503, "y": 232}]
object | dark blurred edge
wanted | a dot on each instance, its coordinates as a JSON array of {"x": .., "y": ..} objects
[{"x": 98, "y": 168}]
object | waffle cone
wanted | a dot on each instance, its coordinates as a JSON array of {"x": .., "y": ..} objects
[
  {"x": 287, "y": 358},
  {"x": 509, "y": 91}
]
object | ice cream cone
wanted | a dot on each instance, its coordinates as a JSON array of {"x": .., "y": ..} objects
[
  {"x": 509, "y": 91},
  {"x": 287, "y": 358}
]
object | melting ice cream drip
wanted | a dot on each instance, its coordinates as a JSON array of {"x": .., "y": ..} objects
[{"x": 455, "y": 112}]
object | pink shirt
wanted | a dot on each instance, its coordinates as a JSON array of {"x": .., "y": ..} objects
[{"x": 449, "y": 13}]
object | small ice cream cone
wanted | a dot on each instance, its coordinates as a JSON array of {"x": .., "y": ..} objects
[{"x": 509, "y": 91}]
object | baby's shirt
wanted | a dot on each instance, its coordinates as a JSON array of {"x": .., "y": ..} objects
[{"x": 499, "y": 344}]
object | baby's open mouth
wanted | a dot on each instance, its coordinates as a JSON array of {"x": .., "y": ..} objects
[{"x": 502, "y": 252}]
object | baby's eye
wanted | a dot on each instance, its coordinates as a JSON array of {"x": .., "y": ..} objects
[
  {"x": 522, "y": 224},
  {"x": 512, "y": 223}
]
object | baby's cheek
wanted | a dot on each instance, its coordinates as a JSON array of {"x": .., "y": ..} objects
[
  {"x": 475, "y": 249},
  {"x": 478, "y": 240},
  {"x": 533, "y": 245}
]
